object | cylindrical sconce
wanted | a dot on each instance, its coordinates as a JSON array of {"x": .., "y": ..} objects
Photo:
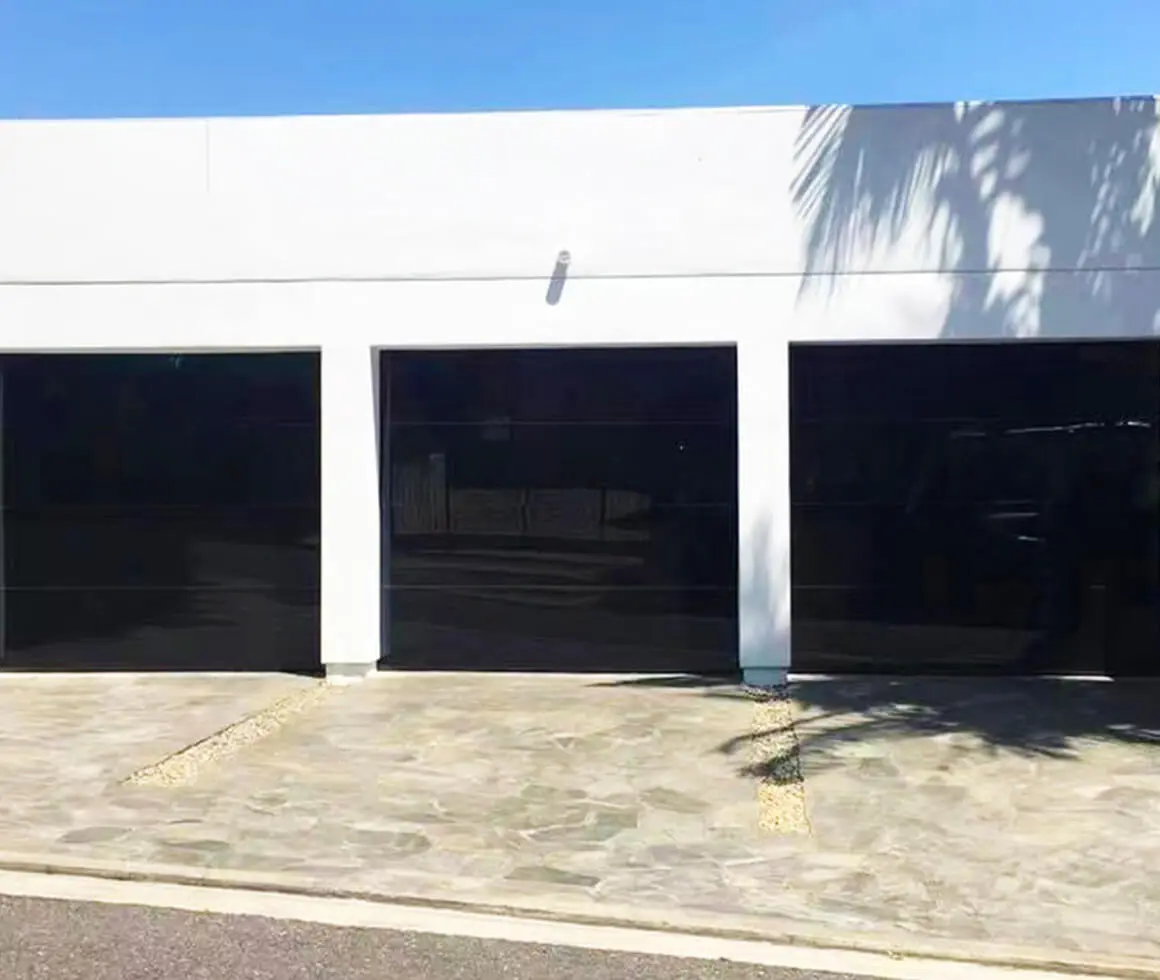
[{"x": 559, "y": 274}]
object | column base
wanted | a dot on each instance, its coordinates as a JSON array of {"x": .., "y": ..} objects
[
  {"x": 764, "y": 676},
  {"x": 349, "y": 673}
]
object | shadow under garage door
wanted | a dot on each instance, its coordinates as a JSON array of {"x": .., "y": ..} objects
[
  {"x": 976, "y": 508},
  {"x": 161, "y": 511},
  {"x": 560, "y": 509}
]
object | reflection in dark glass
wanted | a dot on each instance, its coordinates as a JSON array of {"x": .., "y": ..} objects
[
  {"x": 186, "y": 629},
  {"x": 976, "y": 508},
  {"x": 561, "y": 510},
  {"x": 161, "y": 511},
  {"x": 657, "y": 384}
]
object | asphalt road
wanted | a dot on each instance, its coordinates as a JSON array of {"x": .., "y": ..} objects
[{"x": 54, "y": 940}]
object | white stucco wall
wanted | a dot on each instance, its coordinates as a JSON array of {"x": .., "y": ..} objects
[{"x": 750, "y": 226}]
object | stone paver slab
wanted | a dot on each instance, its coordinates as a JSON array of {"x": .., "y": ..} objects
[{"x": 999, "y": 811}]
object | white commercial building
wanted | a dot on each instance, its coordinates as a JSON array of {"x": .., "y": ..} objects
[{"x": 937, "y": 329}]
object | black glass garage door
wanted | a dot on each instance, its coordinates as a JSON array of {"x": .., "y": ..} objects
[
  {"x": 160, "y": 512},
  {"x": 563, "y": 510},
  {"x": 976, "y": 507}
]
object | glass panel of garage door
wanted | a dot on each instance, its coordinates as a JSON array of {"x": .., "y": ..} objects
[
  {"x": 564, "y": 509},
  {"x": 975, "y": 507},
  {"x": 161, "y": 511}
]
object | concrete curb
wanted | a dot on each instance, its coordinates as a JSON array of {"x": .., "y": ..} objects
[{"x": 897, "y": 945}]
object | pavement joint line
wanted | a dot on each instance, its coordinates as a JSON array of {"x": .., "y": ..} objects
[
  {"x": 184, "y": 766},
  {"x": 1021, "y": 962}
]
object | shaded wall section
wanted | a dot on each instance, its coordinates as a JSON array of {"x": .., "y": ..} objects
[
  {"x": 569, "y": 509},
  {"x": 976, "y": 507},
  {"x": 1016, "y": 220},
  {"x": 160, "y": 512}
]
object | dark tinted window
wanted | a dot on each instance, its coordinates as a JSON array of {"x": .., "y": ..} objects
[
  {"x": 561, "y": 509},
  {"x": 161, "y": 511},
  {"x": 982, "y": 507}
]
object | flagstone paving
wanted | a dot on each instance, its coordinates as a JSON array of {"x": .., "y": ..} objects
[{"x": 1025, "y": 813}]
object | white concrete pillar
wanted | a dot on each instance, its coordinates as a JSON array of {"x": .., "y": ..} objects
[
  {"x": 763, "y": 508},
  {"x": 351, "y": 567}
]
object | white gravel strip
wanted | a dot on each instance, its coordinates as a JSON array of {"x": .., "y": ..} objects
[
  {"x": 184, "y": 766},
  {"x": 776, "y": 755}
]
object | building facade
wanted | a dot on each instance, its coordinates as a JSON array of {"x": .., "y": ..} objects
[{"x": 817, "y": 389}]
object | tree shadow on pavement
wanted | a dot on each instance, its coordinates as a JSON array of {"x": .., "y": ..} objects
[{"x": 1031, "y": 717}]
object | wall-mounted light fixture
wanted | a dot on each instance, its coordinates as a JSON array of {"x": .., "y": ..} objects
[{"x": 559, "y": 274}]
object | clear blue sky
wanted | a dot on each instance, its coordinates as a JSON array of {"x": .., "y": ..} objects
[{"x": 222, "y": 57}]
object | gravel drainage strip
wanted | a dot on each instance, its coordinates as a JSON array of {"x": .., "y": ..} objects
[
  {"x": 775, "y": 761},
  {"x": 185, "y": 765}
]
